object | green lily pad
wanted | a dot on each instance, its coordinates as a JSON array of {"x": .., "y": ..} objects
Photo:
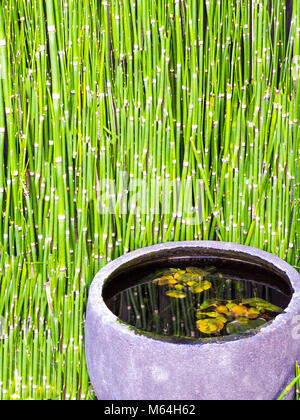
[
  {"x": 254, "y": 301},
  {"x": 243, "y": 320},
  {"x": 237, "y": 327},
  {"x": 198, "y": 271},
  {"x": 262, "y": 304},
  {"x": 188, "y": 277},
  {"x": 168, "y": 272},
  {"x": 208, "y": 304}
]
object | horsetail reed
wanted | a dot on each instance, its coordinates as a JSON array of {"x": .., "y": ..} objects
[
  {"x": 127, "y": 123},
  {"x": 294, "y": 383}
]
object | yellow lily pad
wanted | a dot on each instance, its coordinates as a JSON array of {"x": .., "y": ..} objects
[
  {"x": 239, "y": 310},
  {"x": 179, "y": 286},
  {"x": 209, "y": 326},
  {"x": 164, "y": 280},
  {"x": 222, "y": 310},
  {"x": 201, "y": 314},
  {"x": 178, "y": 274},
  {"x": 200, "y": 287},
  {"x": 176, "y": 294},
  {"x": 230, "y": 305},
  {"x": 253, "y": 313},
  {"x": 191, "y": 283},
  {"x": 222, "y": 319},
  {"x": 215, "y": 315}
]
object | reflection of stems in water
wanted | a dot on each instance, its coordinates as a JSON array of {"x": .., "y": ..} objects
[
  {"x": 165, "y": 315},
  {"x": 150, "y": 307},
  {"x": 142, "y": 306},
  {"x": 184, "y": 316},
  {"x": 120, "y": 306},
  {"x": 218, "y": 286},
  {"x": 173, "y": 314},
  {"x": 255, "y": 292},
  {"x": 228, "y": 288},
  {"x": 267, "y": 294},
  {"x": 151, "y": 295},
  {"x": 135, "y": 308},
  {"x": 167, "y": 310},
  {"x": 177, "y": 323},
  {"x": 154, "y": 307},
  {"x": 128, "y": 307},
  {"x": 190, "y": 305}
]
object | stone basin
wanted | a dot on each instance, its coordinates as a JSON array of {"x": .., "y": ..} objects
[{"x": 126, "y": 364}]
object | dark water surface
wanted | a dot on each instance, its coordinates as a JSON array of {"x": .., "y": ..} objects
[{"x": 188, "y": 299}]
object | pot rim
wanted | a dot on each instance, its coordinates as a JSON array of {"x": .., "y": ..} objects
[{"x": 99, "y": 307}]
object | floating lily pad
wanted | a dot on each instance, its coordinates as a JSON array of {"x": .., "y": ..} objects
[
  {"x": 253, "y": 313},
  {"x": 222, "y": 310},
  {"x": 179, "y": 286},
  {"x": 230, "y": 304},
  {"x": 239, "y": 310},
  {"x": 168, "y": 272},
  {"x": 200, "y": 287},
  {"x": 262, "y": 305},
  {"x": 198, "y": 271},
  {"x": 243, "y": 320},
  {"x": 164, "y": 280},
  {"x": 177, "y": 294},
  {"x": 201, "y": 314},
  {"x": 207, "y": 304},
  {"x": 223, "y": 319},
  {"x": 254, "y": 301},
  {"x": 237, "y": 327},
  {"x": 209, "y": 326},
  {"x": 191, "y": 283},
  {"x": 187, "y": 277},
  {"x": 178, "y": 274}
]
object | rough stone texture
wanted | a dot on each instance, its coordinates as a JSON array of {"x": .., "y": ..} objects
[{"x": 126, "y": 366}]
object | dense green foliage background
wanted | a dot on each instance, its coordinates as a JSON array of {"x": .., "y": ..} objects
[{"x": 124, "y": 123}]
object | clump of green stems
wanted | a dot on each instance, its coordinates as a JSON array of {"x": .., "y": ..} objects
[
  {"x": 293, "y": 386},
  {"x": 168, "y": 92}
]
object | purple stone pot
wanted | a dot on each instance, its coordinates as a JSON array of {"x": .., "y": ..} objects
[{"x": 126, "y": 365}]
